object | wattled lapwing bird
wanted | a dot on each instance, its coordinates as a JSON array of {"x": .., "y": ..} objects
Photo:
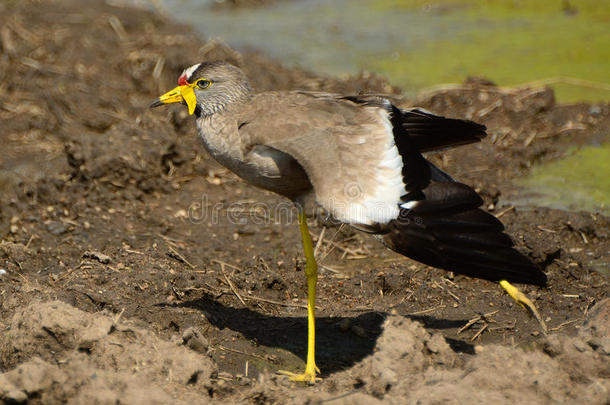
[{"x": 360, "y": 158}]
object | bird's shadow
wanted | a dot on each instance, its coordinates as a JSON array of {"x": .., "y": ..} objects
[{"x": 336, "y": 348}]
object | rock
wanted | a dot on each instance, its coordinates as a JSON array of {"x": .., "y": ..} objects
[
  {"x": 344, "y": 324},
  {"x": 358, "y": 331},
  {"x": 598, "y": 319},
  {"x": 437, "y": 344},
  {"x": 600, "y": 344},
  {"x": 100, "y": 257},
  {"x": 56, "y": 227},
  {"x": 29, "y": 380},
  {"x": 193, "y": 339},
  {"x": 552, "y": 346}
]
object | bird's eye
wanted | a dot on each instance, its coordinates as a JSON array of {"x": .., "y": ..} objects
[{"x": 203, "y": 83}]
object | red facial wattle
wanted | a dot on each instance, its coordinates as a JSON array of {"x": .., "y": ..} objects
[{"x": 182, "y": 80}]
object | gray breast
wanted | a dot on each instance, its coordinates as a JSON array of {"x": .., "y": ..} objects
[
  {"x": 274, "y": 170},
  {"x": 262, "y": 166}
]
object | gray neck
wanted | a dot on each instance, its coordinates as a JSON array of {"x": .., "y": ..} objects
[{"x": 220, "y": 137}]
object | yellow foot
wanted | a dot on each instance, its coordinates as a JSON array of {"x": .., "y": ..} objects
[
  {"x": 309, "y": 376},
  {"x": 524, "y": 302}
]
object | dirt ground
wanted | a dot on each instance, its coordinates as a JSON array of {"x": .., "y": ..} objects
[{"x": 136, "y": 270}]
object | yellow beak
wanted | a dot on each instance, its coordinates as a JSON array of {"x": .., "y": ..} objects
[{"x": 181, "y": 93}]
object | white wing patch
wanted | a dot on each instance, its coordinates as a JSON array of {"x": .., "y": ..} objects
[
  {"x": 409, "y": 205},
  {"x": 380, "y": 205}
]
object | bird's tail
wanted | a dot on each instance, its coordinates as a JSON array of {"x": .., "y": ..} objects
[{"x": 446, "y": 229}]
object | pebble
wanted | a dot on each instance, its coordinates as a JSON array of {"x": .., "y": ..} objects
[
  {"x": 601, "y": 345},
  {"x": 580, "y": 346},
  {"x": 194, "y": 340},
  {"x": 56, "y": 227},
  {"x": 552, "y": 346},
  {"x": 358, "y": 331},
  {"x": 345, "y": 324},
  {"x": 100, "y": 257},
  {"x": 3, "y": 272},
  {"x": 598, "y": 319}
]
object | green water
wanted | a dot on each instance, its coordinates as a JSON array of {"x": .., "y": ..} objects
[
  {"x": 511, "y": 42},
  {"x": 581, "y": 181},
  {"x": 418, "y": 44}
]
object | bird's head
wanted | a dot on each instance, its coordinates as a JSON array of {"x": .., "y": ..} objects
[{"x": 207, "y": 88}]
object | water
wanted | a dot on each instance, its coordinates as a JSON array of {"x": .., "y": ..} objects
[
  {"x": 581, "y": 181},
  {"x": 329, "y": 37}
]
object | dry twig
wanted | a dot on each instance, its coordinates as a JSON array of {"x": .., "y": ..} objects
[{"x": 231, "y": 286}]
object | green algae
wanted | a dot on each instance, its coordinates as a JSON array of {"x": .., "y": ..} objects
[
  {"x": 511, "y": 43},
  {"x": 581, "y": 181}
]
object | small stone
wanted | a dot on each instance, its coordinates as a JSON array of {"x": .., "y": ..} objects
[
  {"x": 100, "y": 257},
  {"x": 358, "y": 331},
  {"x": 344, "y": 324},
  {"x": 193, "y": 339},
  {"x": 16, "y": 396},
  {"x": 552, "y": 346},
  {"x": 2, "y": 272},
  {"x": 598, "y": 319},
  {"x": 580, "y": 346},
  {"x": 600, "y": 344},
  {"x": 437, "y": 344},
  {"x": 56, "y": 227}
]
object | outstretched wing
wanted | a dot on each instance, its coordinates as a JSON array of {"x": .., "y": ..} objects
[
  {"x": 363, "y": 158},
  {"x": 440, "y": 222}
]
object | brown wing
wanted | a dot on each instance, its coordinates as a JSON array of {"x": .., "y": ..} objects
[{"x": 346, "y": 149}]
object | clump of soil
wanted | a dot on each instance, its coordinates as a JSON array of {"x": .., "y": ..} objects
[
  {"x": 64, "y": 354},
  {"x": 135, "y": 268}
]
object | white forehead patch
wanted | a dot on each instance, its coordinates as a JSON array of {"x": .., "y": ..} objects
[{"x": 188, "y": 72}]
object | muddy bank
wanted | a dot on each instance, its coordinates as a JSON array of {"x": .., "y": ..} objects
[{"x": 105, "y": 218}]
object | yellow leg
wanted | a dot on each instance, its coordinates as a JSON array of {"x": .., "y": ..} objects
[
  {"x": 523, "y": 301},
  {"x": 311, "y": 272}
]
